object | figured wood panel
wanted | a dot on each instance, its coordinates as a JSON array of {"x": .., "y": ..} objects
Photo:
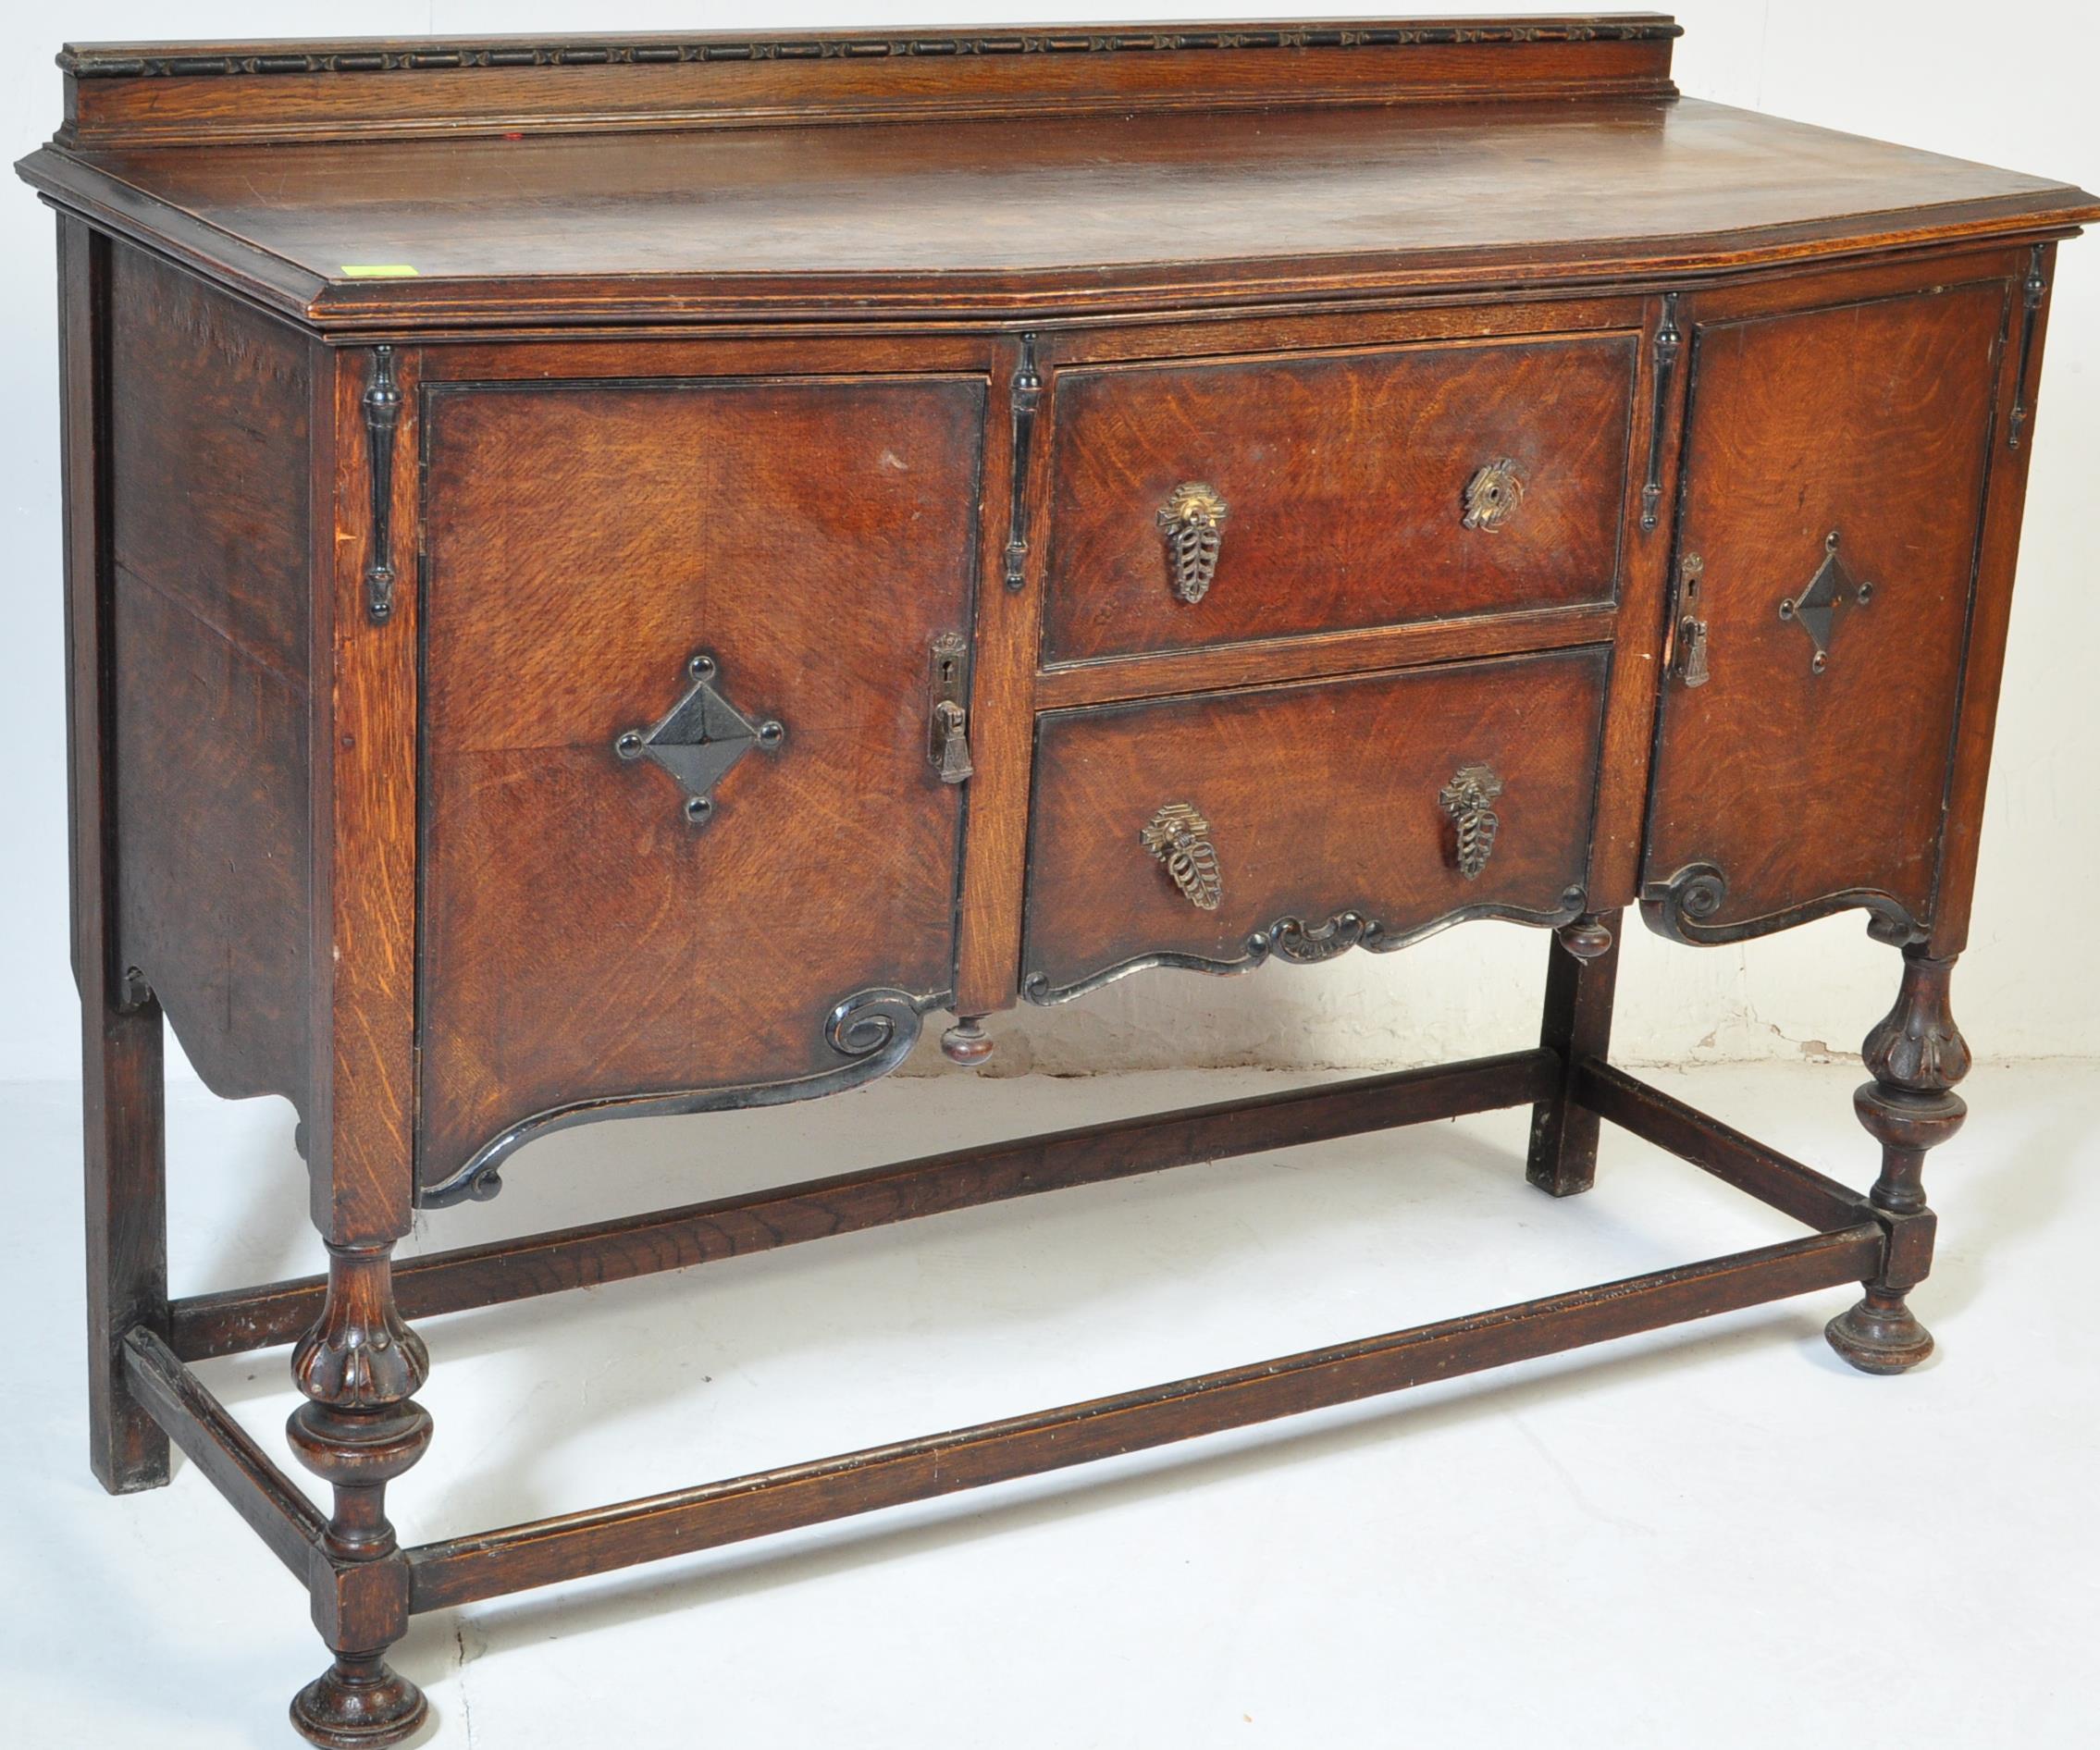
[
  {"x": 1997, "y": 557},
  {"x": 362, "y": 1137},
  {"x": 1872, "y": 421},
  {"x": 1321, "y": 798},
  {"x": 209, "y": 531},
  {"x": 1345, "y": 479},
  {"x": 1060, "y": 212},
  {"x": 582, "y": 940}
]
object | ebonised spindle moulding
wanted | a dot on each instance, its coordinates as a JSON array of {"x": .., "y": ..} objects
[{"x": 656, "y": 565}]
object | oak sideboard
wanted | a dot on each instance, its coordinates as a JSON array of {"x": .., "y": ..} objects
[{"x": 623, "y": 575}]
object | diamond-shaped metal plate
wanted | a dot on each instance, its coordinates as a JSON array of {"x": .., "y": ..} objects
[
  {"x": 699, "y": 739},
  {"x": 1816, "y": 608}
]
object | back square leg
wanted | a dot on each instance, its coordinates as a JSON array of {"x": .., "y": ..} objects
[{"x": 1582, "y": 968}]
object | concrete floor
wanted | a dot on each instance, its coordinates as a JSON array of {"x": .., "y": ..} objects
[{"x": 1716, "y": 1534}]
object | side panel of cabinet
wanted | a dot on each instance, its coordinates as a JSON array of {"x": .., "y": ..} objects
[
  {"x": 587, "y": 942},
  {"x": 209, "y": 542},
  {"x": 1832, "y": 489}
]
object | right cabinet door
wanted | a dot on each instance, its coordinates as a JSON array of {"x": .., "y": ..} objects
[{"x": 1833, "y": 489}]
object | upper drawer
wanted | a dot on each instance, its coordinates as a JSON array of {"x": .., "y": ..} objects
[{"x": 1360, "y": 489}]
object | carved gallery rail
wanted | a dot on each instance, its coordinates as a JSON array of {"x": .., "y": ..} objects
[{"x": 647, "y": 566}]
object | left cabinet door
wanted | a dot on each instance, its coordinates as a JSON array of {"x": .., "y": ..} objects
[{"x": 655, "y": 883}]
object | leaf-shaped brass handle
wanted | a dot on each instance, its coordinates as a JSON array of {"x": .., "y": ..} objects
[
  {"x": 1469, "y": 799},
  {"x": 1179, "y": 838},
  {"x": 1492, "y": 496},
  {"x": 1193, "y": 519}
]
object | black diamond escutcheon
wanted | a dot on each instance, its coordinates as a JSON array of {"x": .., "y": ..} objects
[
  {"x": 1816, "y": 606},
  {"x": 699, "y": 739}
]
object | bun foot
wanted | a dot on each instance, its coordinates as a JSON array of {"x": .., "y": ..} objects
[
  {"x": 358, "y": 1703},
  {"x": 1880, "y": 1336},
  {"x": 967, "y": 1043}
]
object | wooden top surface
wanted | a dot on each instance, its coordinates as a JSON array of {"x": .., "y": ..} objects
[{"x": 1150, "y": 205}]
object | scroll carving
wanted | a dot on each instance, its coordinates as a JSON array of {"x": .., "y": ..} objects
[{"x": 870, "y": 1034}]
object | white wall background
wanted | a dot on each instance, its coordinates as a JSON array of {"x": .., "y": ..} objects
[{"x": 2017, "y": 92}]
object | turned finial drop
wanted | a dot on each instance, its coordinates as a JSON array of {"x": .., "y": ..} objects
[
  {"x": 1586, "y": 938},
  {"x": 967, "y": 1043}
]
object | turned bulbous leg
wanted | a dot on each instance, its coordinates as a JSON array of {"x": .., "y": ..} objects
[
  {"x": 359, "y": 1429},
  {"x": 1916, "y": 1055}
]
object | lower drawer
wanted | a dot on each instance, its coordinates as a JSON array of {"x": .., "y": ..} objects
[{"x": 1216, "y": 831}]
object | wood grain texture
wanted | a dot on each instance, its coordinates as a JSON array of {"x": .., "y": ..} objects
[
  {"x": 270, "y": 1503},
  {"x": 1640, "y": 633},
  {"x": 581, "y": 938},
  {"x": 234, "y": 1323},
  {"x": 545, "y": 1551},
  {"x": 1991, "y": 611},
  {"x": 1147, "y": 211},
  {"x": 124, "y": 1166},
  {"x": 210, "y": 535},
  {"x": 1321, "y": 799},
  {"x": 1345, "y": 480},
  {"x": 163, "y": 93},
  {"x": 1576, "y": 1027},
  {"x": 1716, "y": 1148},
  {"x": 1314, "y": 656},
  {"x": 995, "y": 801},
  {"x": 1872, "y": 420},
  {"x": 688, "y": 361},
  {"x": 361, "y": 1135}
]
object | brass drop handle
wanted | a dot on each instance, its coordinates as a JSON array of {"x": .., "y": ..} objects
[
  {"x": 1193, "y": 519},
  {"x": 1492, "y": 496},
  {"x": 951, "y": 731},
  {"x": 1469, "y": 799},
  {"x": 1178, "y": 837}
]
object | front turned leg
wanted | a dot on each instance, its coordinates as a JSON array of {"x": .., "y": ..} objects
[
  {"x": 1582, "y": 968},
  {"x": 1916, "y": 1055},
  {"x": 359, "y": 1368}
]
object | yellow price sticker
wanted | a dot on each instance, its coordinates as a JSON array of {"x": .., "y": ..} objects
[{"x": 365, "y": 270}]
